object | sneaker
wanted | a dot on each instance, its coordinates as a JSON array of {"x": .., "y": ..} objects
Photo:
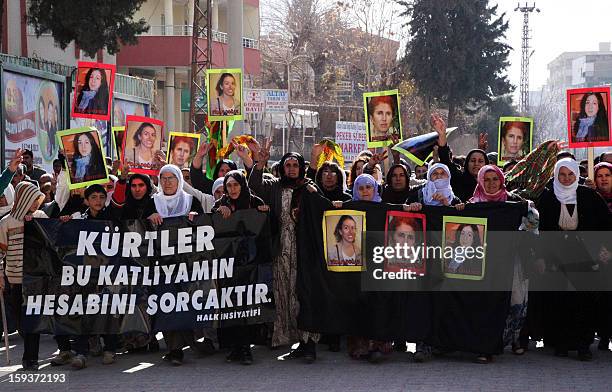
[
  {"x": 95, "y": 348},
  {"x": 246, "y": 357},
  {"x": 310, "y": 352},
  {"x": 297, "y": 352},
  {"x": 29, "y": 366},
  {"x": 79, "y": 362},
  {"x": 234, "y": 355},
  {"x": 108, "y": 357},
  {"x": 483, "y": 359},
  {"x": 63, "y": 358}
]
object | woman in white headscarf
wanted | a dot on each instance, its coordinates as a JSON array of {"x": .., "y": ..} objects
[
  {"x": 172, "y": 201},
  {"x": 436, "y": 192},
  {"x": 568, "y": 316}
]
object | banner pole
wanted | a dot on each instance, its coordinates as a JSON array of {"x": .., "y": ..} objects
[
  {"x": 5, "y": 328},
  {"x": 591, "y": 159}
]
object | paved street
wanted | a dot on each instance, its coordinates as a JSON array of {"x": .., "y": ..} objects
[{"x": 538, "y": 370}]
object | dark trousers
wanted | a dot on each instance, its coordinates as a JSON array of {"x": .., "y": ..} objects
[
  {"x": 241, "y": 335},
  {"x": 31, "y": 341},
  {"x": 81, "y": 343},
  {"x": 176, "y": 340}
]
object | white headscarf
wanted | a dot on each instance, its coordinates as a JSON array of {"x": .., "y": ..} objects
[
  {"x": 9, "y": 194},
  {"x": 178, "y": 204},
  {"x": 218, "y": 183},
  {"x": 566, "y": 194},
  {"x": 109, "y": 195},
  {"x": 438, "y": 186}
]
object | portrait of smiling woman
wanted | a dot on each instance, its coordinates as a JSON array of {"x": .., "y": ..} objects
[{"x": 143, "y": 144}]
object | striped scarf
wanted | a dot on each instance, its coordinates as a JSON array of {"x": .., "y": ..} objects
[{"x": 25, "y": 194}]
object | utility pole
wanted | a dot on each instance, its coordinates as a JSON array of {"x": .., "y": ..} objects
[
  {"x": 201, "y": 59},
  {"x": 525, "y": 56}
]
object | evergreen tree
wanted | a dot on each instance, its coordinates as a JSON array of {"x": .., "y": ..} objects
[
  {"x": 92, "y": 24},
  {"x": 455, "y": 53}
]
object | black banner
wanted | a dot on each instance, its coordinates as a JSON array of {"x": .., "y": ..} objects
[
  {"x": 91, "y": 277},
  {"x": 448, "y": 310}
]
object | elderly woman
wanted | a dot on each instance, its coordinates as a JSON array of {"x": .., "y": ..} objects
[
  {"x": 568, "y": 207},
  {"x": 172, "y": 201}
]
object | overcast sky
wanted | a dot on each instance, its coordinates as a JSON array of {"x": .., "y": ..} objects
[{"x": 552, "y": 32}]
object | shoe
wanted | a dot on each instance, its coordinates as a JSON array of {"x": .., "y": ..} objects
[
  {"x": 62, "y": 358},
  {"x": 423, "y": 353},
  {"x": 517, "y": 350},
  {"x": 585, "y": 355},
  {"x": 235, "y": 355},
  {"x": 108, "y": 358},
  {"x": 247, "y": 356},
  {"x": 310, "y": 352},
  {"x": 604, "y": 344},
  {"x": 205, "y": 348},
  {"x": 375, "y": 357},
  {"x": 175, "y": 357},
  {"x": 483, "y": 359},
  {"x": 29, "y": 366},
  {"x": 297, "y": 352},
  {"x": 79, "y": 362}
]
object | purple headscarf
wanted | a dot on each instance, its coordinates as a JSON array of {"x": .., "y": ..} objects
[{"x": 366, "y": 179}]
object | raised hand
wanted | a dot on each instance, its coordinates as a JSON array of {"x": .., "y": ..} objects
[
  {"x": 16, "y": 160},
  {"x": 438, "y": 123},
  {"x": 264, "y": 154}
]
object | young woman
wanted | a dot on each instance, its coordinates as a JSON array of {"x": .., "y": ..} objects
[
  {"x": 87, "y": 161},
  {"x": 345, "y": 250},
  {"x": 143, "y": 153},
  {"x": 93, "y": 97},
  {"x": 226, "y": 103},
  {"x": 603, "y": 181}
]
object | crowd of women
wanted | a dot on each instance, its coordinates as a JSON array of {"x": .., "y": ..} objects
[{"x": 557, "y": 193}]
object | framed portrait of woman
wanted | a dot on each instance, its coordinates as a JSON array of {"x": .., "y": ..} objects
[
  {"x": 406, "y": 231},
  {"x": 382, "y": 117},
  {"x": 342, "y": 240},
  {"x": 515, "y": 139},
  {"x": 85, "y": 163},
  {"x": 464, "y": 247},
  {"x": 182, "y": 148},
  {"x": 142, "y": 145},
  {"x": 93, "y": 91},
  {"x": 588, "y": 117},
  {"x": 224, "y": 94}
]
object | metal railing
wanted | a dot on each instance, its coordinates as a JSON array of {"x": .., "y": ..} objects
[{"x": 124, "y": 84}]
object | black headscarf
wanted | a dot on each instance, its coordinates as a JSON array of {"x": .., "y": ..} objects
[
  {"x": 134, "y": 209},
  {"x": 338, "y": 193},
  {"x": 465, "y": 184},
  {"x": 245, "y": 200},
  {"x": 228, "y": 162},
  {"x": 292, "y": 182},
  {"x": 389, "y": 194}
]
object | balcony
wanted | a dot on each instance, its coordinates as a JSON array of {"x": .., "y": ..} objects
[{"x": 170, "y": 46}]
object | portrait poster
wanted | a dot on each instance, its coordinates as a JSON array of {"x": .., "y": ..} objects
[
  {"x": 406, "y": 231},
  {"x": 342, "y": 240},
  {"x": 224, "y": 94},
  {"x": 123, "y": 108},
  {"x": 182, "y": 148},
  {"x": 382, "y": 117},
  {"x": 464, "y": 247},
  {"x": 142, "y": 143},
  {"x": 32, "y": 113},
  {"x": 85, "y": 163},
  {"x": 118, "y": 136},
  {"x": 515, "y": 139},
  {"x": 588, "y": 117},
  {"x": 93, "y": 89}
]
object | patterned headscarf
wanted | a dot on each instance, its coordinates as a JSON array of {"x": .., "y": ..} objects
[
  {"x": 25, "y": 194},
  {"x": 481, "y": 195}
]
